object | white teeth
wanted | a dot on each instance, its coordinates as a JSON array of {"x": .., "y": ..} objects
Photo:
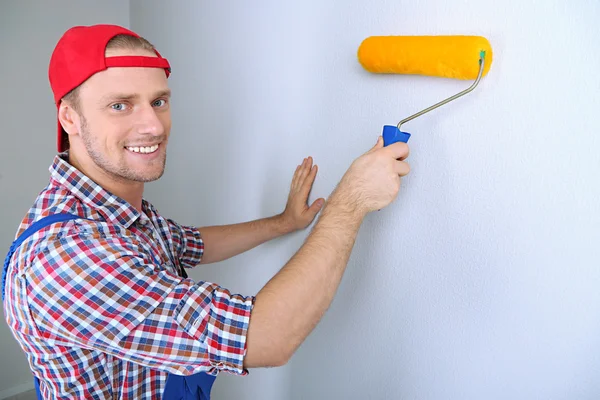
[{"x": 145, "y": 150}]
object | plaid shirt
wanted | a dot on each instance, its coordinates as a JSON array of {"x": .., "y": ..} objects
[{"x": 98, "y": 306}]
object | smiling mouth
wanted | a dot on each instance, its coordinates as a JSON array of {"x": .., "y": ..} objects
[{"x": 143, "y": 150}]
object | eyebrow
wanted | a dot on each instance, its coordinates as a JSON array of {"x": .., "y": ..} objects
[{"x": 131, "y": 96}]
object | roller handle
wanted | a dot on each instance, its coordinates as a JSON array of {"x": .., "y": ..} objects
[{"x": 391, "y": 134}]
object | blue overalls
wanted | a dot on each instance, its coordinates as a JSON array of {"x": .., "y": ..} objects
[{"x": 178, "y": 387}]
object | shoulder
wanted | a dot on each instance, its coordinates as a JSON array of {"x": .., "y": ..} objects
[
  {"x": 54, "y": 200},
  {"x": 87, "y": 231}
]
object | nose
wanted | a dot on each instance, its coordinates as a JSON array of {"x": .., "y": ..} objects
[{"x": 148, "y": 122}]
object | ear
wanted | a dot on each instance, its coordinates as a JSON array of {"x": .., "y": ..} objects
[{"x": 69, "y": 119}]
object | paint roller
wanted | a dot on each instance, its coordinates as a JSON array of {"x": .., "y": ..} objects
[{"x": 458, "y": 57}]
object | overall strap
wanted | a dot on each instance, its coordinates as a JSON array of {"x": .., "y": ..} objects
[
  {"x": 192, "y": 387},
  {"x": 36, "y": 226}
]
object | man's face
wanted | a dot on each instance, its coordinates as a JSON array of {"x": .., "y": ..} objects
[{"x": 126, "y": 120}]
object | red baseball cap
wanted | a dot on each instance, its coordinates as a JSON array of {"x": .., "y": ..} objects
[{"x": 79, "y": 54}]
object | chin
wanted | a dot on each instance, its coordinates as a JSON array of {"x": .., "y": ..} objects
[
  {"x": 139, "y": 174},
  {"x": 146, "y": 174},
  {"x": 150, "y": 173},
  {"x": 153, "y": 177}
]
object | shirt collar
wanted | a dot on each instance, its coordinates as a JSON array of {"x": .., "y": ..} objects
[{"x": 113, "y": 208}]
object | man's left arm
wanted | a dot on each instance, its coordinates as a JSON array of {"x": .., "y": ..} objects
[{"x": 225, "y": 241}]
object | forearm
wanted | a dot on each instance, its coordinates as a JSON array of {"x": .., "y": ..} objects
[
  {"x": 295, "y": 299},
  {"x": 225, "y": 241}
]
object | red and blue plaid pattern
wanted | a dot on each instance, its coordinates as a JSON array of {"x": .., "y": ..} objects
[{"x": 99, "y": 308}]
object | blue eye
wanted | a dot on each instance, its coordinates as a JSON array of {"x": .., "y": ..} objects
[
  {"x": 158, "y": 103},
  {"x": 118, "y": 106}
]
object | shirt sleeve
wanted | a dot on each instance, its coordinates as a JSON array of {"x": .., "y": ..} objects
[
  {"x": 105, "y": 293},
  {"x": 188, "y": 243}
]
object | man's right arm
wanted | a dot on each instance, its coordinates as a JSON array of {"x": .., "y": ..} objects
[{"x": 291, "y": 304}]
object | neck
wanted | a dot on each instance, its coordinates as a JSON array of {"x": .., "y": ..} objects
[{"x": 131, "y": 192}]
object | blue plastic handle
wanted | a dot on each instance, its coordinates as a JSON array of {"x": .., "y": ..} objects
[{"x": 391, "y": 134}]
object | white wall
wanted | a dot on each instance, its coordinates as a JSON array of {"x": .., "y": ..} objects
[
  {"x": 481, "y": 280},
  {"x": 29, "y": 31}
]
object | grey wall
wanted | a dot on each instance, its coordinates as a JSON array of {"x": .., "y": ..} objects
[
  {"x": 481, "y": 280},
  {"x": 29, "y": 31}
]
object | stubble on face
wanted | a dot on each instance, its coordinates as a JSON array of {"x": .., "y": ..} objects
[{"x": 118, "y": 168}]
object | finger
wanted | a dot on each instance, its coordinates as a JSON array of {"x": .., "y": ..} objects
[
  {"x": 398, "y": 150},
  {"x": 305, "y": 171},
  {"x": 316, "y": 207},
  {"x": 296, "y": 180},
  {"x": 295, "y": 177},
  {"x": 378, "y": 145},
  {"x": 308, "y": 182},
  {"x": 402, "y": 168}
]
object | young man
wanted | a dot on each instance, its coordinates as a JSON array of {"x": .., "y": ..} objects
[{"x": 99, "y": 300}]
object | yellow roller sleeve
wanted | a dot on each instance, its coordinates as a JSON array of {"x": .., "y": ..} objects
[{"x": 445, "y": 56}]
